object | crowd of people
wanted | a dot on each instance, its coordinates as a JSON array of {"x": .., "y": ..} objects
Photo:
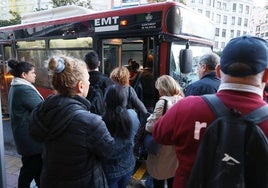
[{"x": 65, "y": 141}]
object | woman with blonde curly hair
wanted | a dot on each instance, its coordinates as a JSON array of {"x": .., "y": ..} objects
[
  {"x": 162, "y": 166},
  {"x": 74, "y": 139}
]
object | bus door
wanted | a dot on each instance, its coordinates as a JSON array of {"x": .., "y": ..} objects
[
  {"x": 111, "y": 55},
  {"x": 117, "y": 52}
]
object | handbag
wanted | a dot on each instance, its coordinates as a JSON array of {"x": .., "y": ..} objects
[{"x": 149, "y": 142}]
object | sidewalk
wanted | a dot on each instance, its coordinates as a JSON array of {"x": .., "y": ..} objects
[{"x": 13, "y": 164}]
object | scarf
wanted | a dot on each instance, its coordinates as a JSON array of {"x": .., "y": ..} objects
[{"x": 21, "y": 81}]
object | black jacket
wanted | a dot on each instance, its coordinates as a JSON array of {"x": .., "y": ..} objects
[
  {"x": 69, "y": 149},
  {"x": 96, "y": 77},
  {"x": 208, "y": 84}
]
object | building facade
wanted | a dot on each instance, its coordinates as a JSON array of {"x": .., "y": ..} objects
[{"x": 232, "y": 18}]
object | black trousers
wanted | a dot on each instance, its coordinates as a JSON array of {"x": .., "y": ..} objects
[
  {"x": 30, "y": 170},
  {"x": 161, "y": 183}
]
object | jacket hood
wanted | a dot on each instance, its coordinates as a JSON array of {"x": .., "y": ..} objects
[{"x": 54, "y": 115}]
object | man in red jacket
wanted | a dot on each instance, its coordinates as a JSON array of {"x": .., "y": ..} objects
[{"x": 243, "y": 72}]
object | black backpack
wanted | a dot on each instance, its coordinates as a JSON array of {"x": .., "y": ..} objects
[
  {"x": 96, "y": 98},
  {"x": 233, "y": 152}
]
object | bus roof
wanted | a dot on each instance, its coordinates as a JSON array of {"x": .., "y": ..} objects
[
  {"x": 55, "y": 13},
  {"x": 86, "y": 16}
]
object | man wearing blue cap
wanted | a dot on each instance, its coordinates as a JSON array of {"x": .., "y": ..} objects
[{"x": 243, "y": 72}]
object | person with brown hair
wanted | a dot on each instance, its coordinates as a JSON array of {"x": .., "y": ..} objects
[
  {"x": 120, "y": 75},
  {"x": 74, "y": 139}
]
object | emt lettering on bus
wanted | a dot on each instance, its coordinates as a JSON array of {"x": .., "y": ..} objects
[{"x": 106, "y": 24}]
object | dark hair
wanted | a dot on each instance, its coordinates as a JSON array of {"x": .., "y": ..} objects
[
  {"x": 17, "y": 68},
  {"x": 133, "y": 66},
  {"x": 91, "y": 59},
  {"x": 210, "y": 60},
  {"x": 116, "y": 117}
]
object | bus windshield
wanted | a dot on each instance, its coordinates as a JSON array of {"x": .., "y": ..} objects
[{"x": 185, "y": 79}]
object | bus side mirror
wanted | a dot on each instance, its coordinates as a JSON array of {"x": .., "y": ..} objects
[{"x": 186, "y": 59}]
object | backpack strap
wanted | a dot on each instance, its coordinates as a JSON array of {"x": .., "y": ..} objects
[
  {"x": 256, "y": 116},
  {"x": 138, "y": 79},
  {"x": 259, "y": 115},
  {"x": 165, "y": 106},
  {"x": 216, "y": 105}
]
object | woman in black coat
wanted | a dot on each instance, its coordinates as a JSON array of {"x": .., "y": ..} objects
[{"x": 74, "y": 139}]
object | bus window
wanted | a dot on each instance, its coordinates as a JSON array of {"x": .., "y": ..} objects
[
  {"x": 110, "y": 58},
  {"x": 85, "y": 42},
  {"x": 76, "y": 53},
  {"x": 132, "y": 48},
  {"x": 185, "y": 79},
  {"x": 39, "y": 59}
]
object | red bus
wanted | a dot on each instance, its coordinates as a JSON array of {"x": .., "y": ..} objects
[{"x": 163, "y": 31}]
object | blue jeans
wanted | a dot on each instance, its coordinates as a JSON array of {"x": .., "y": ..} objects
[{"x": 120, "y": 182}]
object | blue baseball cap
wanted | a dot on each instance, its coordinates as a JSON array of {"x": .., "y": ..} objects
[{"x": 247, "y": 49}]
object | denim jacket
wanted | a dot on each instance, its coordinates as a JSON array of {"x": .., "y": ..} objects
[{"x": 122, "y": 160}]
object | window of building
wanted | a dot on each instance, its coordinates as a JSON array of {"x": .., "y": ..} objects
[
  {"x": 232, "y": 33},
  {"x": 234, "y": 7},
  {"x": 217, "y": 32},
  {"x": 244, "y": 32},
  {"x": 224, "y": 6},
  {"x": 247, "y": 9},
  {"x": 222, "y": 45},
  {"x": 216, "y": 44},
  {"x": 218, "y": 18},
  {"x": 208, "y": 14},
  {"x": 245, "y": 22},
  {"x": 218, "y": 5},
  {"x": 200, "y": 11},
  {"x": 223, "y": 33},
  {"x": 233, "y": 20},
  {"x": 239, "y": 22},
  {"x": 208, "y": 2},
  {"x": 240, "y": 10},
  {"x": 192, "y": 1},
  {"x": 201, "y": 1},
  {"x": 238, "y": 33},
  {"x": 224, "y": 19}
]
